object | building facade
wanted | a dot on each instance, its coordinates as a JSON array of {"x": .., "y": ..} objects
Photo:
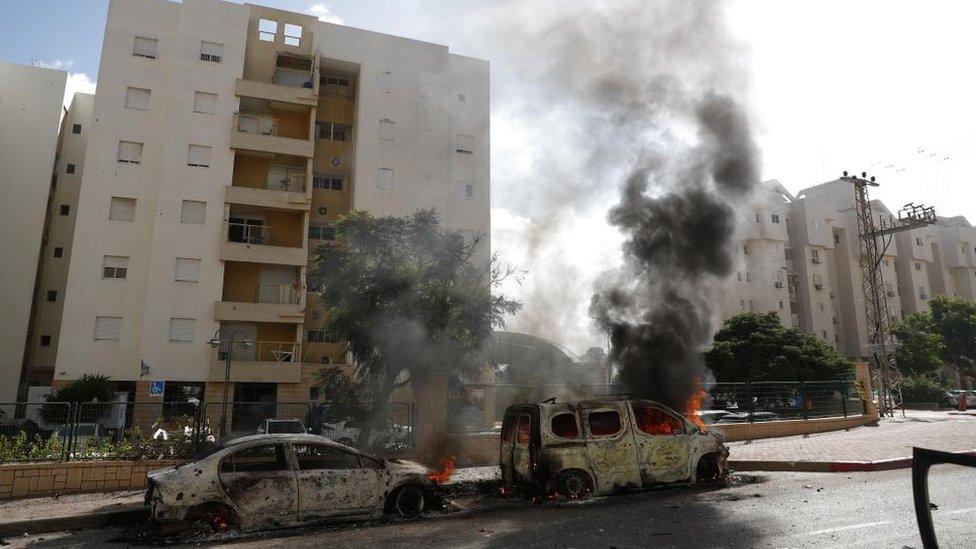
[
  {"x": 225, "y": 141},
  {"x": 30, "y": 108}
]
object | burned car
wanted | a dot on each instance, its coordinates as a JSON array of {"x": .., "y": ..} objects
[
  {"x": 603, "y": 446},
  {"x": 278, "y": 480}
]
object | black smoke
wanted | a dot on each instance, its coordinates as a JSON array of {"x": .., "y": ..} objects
[{"x": 677, "y": 212}]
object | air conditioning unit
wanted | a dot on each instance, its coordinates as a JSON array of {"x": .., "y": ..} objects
[
  {"x": 835, "y": 321},
  {"x": 923, "y": 296},
  {"x": 778, "y": 284},
  {"x": 833, "y": 293},
  {"x": 815, "y": 260},
  {"x": 818, "y": 286}
]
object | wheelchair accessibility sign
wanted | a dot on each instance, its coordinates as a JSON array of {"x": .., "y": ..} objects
[{"x": 156, "y": 388}]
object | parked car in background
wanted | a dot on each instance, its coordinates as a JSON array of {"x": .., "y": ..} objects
[
  {"x": 970, "y": 397},
  {"x": 273, "y": 426},
  {"x": 280, "y": 480},
  {"x": 743, "y": 417}
]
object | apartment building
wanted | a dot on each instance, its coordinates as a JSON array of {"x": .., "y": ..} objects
[
  {"x": 225, "y": 141},
  {"x": 30, "y": 108}
]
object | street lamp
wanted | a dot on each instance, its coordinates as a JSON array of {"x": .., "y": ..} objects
[{"x": 220, "y": 337}]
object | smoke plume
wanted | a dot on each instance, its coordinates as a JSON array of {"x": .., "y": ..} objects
[{"x": 634, "y": 107}]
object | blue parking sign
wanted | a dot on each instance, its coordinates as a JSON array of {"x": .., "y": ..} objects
[{"x": 156, "y": 388}]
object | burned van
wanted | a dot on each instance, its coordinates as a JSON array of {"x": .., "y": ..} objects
[{"x": 604, "y": 446}]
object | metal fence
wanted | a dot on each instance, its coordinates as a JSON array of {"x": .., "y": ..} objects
[
  {"x": 481, "y": 407},
  {"x": 56, "y": 431}
]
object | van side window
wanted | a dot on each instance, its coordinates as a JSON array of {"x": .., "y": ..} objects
[
  {"x": 564, "y": 425},
  {"x": 523, "y": 430},
  {"x": 654, "y": 421},
  {"x": 604, "y": 424}
]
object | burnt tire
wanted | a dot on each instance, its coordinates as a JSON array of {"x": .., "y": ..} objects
[
  {"x": 407, "y": 502},
  {"x": 212, "y": 517},
  {"x": 709, "y": 471},
  {"x": 572, "y": 485}
]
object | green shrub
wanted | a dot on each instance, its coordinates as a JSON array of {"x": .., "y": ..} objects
[{"x": 922, "y": 389}]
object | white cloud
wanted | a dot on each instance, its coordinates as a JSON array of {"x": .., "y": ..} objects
[
  {"x": 324, "y": 13},
  {"x": 57, "y": 64},
  {"x": 77, "y": 82}
]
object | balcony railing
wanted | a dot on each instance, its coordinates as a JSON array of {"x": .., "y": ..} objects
[
  {"x": 249, "y": 234},
  {"x": 266, "y": 351},
  {"x": 278, "y": 294},
  {"x": 260, "y": 124},
  {"x": 294, "y": 182},
  {"x": 294, "y": 78}
]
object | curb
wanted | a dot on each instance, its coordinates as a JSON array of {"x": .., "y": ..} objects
[
  {"x": 74, "y": 522},
  {"x": 828, "y": 466}
]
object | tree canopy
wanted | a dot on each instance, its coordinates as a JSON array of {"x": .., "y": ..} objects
[
  {"x": 87, "y": 388},
  {"x": 920, "y": 348},
  {"x": 954, "y": 319},
  {"x": 409, "y": 298},
  {"x": 757, "y": 347}
]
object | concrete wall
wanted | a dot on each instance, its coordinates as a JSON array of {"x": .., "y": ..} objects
[
  {"x": 28, "y": 480},
  {"x": 30, "y": 108}
]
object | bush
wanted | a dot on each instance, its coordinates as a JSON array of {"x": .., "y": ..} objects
[
  {"x": 922, "y": 389},
  {"x": 87, "y": 388}
]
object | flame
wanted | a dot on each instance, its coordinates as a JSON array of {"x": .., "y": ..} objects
[
  {"x": 443, "y": 474},
  {"x": 694, "y": 406}
]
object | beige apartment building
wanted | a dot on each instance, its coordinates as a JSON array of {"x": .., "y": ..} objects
[
  {"x": 224, "y": 141},
  {"x": 30, "y": 112}
]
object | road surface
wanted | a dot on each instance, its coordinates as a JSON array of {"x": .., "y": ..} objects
[{"x": 766, "y": 510}]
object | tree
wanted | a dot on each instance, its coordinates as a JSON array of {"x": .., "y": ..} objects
[
  {"x": 409, "y": 299},
  {"x": 756, "y": 347},
  {"x": 87, "y": 388},
  {"x": 954, "y": 319},
  {"x": 920, "y": 348}
]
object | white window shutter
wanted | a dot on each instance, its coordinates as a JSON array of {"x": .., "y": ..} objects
[
  {"x": 122, "y": 209},
  {"x": 115, "y": 262},
  {"x": 182, "y": 329},
  {"x": 137, "y": 98},
  {"x": 193, "y": 212},
  {"x": 387, "y": 130},
  {"x": 198, "y": 156},
  {"x": 205, "y": 103},
  {"x": 386, "y": 82},
  {"x": 108, "y": 328},
  {"x": 144, "y": 47},
  {"x": 130, "y": 152},
  {"x": 187, "y": 270},
  {"x": 211, "y": 51},
  {"x": 384, "y": 179},
  {"x": 465, "y": 143}
]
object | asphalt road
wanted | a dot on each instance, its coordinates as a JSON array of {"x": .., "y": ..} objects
[{"x": 769, "y": 510}]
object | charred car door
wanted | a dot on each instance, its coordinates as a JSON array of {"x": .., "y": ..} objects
[
  {"x": 610, "y": 447},
  {"x": 261, "y": 483},
  {"x": 333, "y": 482},
  {"x": 522, "y": 450},
  {"x": 662, "y": 444},
  {"x": 507, "y": 446}
]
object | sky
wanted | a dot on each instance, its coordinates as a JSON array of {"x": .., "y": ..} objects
[{"x": 883, "y": 86}]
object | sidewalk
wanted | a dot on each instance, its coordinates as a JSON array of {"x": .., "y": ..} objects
[
  {"x": 886, "y": 445},
  {"x": 37, "y": 515}
]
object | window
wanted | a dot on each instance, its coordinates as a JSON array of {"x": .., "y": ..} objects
[
  {"x": 386, "y": 82},
  {"x": 564, "y": 425},
  {"x": 293, "y": 35},
  {"x": 137, "y": 98},
  {"x": 742, "y": 304},
  {"x": 316, "y": 336},
  {"x": 781, "y": 304},
  {"x": 384, "y": 179},
  {"x": 198, "y": 156},
  {"x": 257, "y": 459},
  {"x": 745, "y": 249},
  {"x": 918, "y": 241},
  {"x": 122, "y": 209},
  {"x": 70, "y": 168},
  {"x": 313, "y": 457},
  {"x": 752, "y": 306},
  {"x": 775, "y": 218},
  {"x": 748, "y": 276},
  {"x": 211, "y": 51},
  {"x": 524, "y": 430},
  {"x": 387, "y": 130},
  {"x": 467, "y": 190},
  {"x": 327, "y": 182},
  {"x": 823, "y": 333},
  {"x": 653, "y": 421},
  {"x": 321, "y": 232},
  {"x": 52, "y": 295},
  {"x": 130, "y": 152},
  {"x": 181, "y": 330},
  {"x": 462, "y": 98},
  {"x": 144, "y": 47},
  {"x": 204, "y": 103},
  {"x": 508, "y": 428},
  {"x": 331, "y": 80},
  {"x": 65, "y": 209},
  {"x": 465, "y": 144},
  {"x": 816, "y": 225},
  {"x": 757, "y": 217},
  {"x": 331, "y": 130},
  {"x": 108, "y": 328},
  {"x": 76, "y": 128},
  {"x": 918, "y": 266},
  {"x": 193, "y": 211},
  {"x": 836, "y": 238},
  {"x": 267, "y": 29},
  {"x": 58, "y": 252},
  {"x": 45, "y": 341},
  {"x": 187, "y": 270},
  {"x": 815, "y": 255},
  {"x": 114, "y": 266},
  {"x": 738, "y": 276},
  {"x": 604, "y": 424},
  {"x": 821, "y": 307}
]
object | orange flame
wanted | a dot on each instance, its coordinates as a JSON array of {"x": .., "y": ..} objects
[
  {"x": 443, "y": 474},
  {"x": 694, "y": 406}
]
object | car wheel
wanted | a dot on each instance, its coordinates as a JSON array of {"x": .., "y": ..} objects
[
  {"x": 572, "y": 485},
  {"x": 708, "y": 469},
  {"x": 407, "y": 502},
  {"x": 213, "y": 518}
]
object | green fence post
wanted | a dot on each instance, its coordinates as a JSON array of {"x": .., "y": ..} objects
[
  {"x": 752, "y": 406},
  {"x": 803, "y": 400},
  {"x": 843, "y": 397}
]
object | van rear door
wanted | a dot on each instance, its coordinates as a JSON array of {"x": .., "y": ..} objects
[
  {"x": 507, "y": 445},
  {"x": 522, "y": 450}
]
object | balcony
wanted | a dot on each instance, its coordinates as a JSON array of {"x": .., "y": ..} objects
[
  {"x": 288, "y": 196},
  {"x": 264, "y": 361},
  {"x": 287, "y": 86},
  {"x": 257, "y": 243},
  {"x": 271, "y": 303},
  {"x": 260, "y": 132}
]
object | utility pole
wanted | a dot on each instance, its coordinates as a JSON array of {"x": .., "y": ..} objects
[{"x": 875, "y": 237}]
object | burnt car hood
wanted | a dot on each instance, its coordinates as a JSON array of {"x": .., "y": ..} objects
[{"x": 405, "y": 468}]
